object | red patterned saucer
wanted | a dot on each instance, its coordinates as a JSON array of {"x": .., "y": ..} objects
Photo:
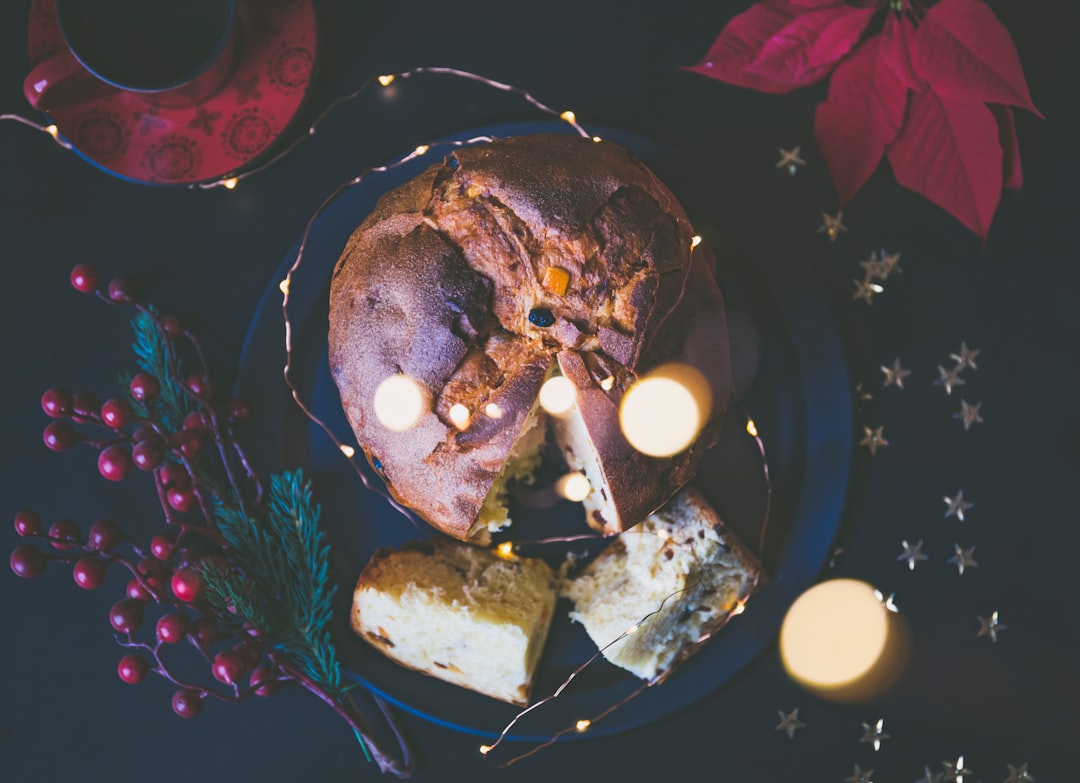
[{"x": 132, "y": 139}]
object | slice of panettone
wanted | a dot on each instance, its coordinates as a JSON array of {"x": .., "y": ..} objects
[
  {"x": 674, "y": 579},
  {"x": 458, "y": 612}
]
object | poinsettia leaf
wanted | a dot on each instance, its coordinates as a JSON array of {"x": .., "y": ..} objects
[
  {"x": 807, "y": 48},
  {"x": 860, "y": 117},
  {"x": 895, "y": 50},
  {"x": 965, "y": 53},
  {"x": 1010, "y": 146},
  {"x": 949, "y": 152},
  {"x": 741, "y": 40},
  {"x": 776, "y": 46}
]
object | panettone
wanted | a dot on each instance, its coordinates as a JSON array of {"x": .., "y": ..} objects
[
  {"x": 505, "y": 264},
  {"x": 458, "y": 612},
  {"x": 674, "y": 579}
]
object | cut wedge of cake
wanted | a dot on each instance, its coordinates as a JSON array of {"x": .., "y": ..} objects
[
  {"x": 674, "y": 579},
  {"x": 460, "y": 613}
]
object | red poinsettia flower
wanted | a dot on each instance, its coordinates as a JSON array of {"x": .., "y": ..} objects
[{"x": 933, "y": 91}]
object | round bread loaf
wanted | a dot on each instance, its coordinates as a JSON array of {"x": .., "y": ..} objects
[{"x": 504, "y": 264}]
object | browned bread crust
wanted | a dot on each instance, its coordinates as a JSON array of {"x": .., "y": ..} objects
[{"x": 439, "y": 281}]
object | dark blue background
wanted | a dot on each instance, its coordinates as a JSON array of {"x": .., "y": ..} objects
[{"x": 208, "y": 255}]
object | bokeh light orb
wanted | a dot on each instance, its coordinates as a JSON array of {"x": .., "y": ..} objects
[
  {"x": 663, "y": 412},
  {"x": 399, "y": 403}
]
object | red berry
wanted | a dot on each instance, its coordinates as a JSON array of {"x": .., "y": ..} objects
[
  {"x": 132, "y": 668},
  {"x": 153, "y": 572},
  {"x": 187, "y": 703},
  {"x": 60, "y": 436},
  {"x": 104, "y": 535},
  {"x": 126, "y": 616},
  {"x": 145, "y": 432},
  {"x": 147, "y": 454},
  {"x": 172, "y": 325},
  {"x": 114, "y": 463},
  {"x": 89, "y": 572},
  {"x": 144, "y": 387},
  {"x": 64, "y": 530},
  {"x": 116, "y": 413},
  {"x": 206, "y": 630},
  {"x": 228, "y": 667},
  {"x": 57, "y": 402},
  {"x": 161, "y": 545},
  {"x": 84, "y": 277},
  {"x": 196, "y": 420},
  {"x": 174, "y": 476},
  {"x": 121, "y": 290},
  {"x": 85, "y": 406},
  {"x": 28, "y": 523},
  {"x": 182, "y": 500},
  {"x": 188, "y": 442},
  {"x": 198, "y": 384},
  {"x": 264, "y": 682},
  {"x": 187, "y": 585},
  {"x": 238, "y": 410},
  {"x": 27, "y": 561},
  {"x": 172, "y": 628},
  {"x": 136, "y": 592}
]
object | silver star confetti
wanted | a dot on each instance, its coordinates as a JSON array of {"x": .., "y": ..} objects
[
  {"x": 891, "y": 262},
  {"x": 875, "y": 734},
  {"x": 969, "y": 414},
  {"x": 957, "y": 505},
  {"x": 991, "y": 626},
  {"x": 789, "y": 722},
  {"x": 894, "y": 376},
  {"x": 956, "y": 771},
  {"x": 930, "y": 777},
  {"x": 887, "y": 603},
  {"x": 963, "y": 558},
  {"x": 865, "y": 290},
  {"x": 913, "y": 554},
  {"x": 1019, "y": 774},
  {"x": 873, "y": 439},
  {"x": 874, "y": 268},
  {"x": 832, "y": 226},
  {"x": 966, "y": 357},
  {"x": 790, "y": 159},
  {"x": 949, "y": 378},
  {"x": 861, "y": 776}
]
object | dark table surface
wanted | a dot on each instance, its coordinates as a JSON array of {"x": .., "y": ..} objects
[{"x": 209, "y": 255}]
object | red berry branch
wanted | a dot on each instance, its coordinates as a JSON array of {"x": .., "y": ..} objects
[{"x": 210, "y": 582}]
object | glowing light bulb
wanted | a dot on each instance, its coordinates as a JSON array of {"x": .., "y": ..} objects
[
  {"x": 663, "y": 412},
  {"x": 695, "y": 240},
  {"x": 230, "y": 183},
  {"x": 505, "y": 550},
  {"x": 459, "y": 415},
  {"x": 568, "y": 116},
  {"x": 52, "y": 130},
  {"x": 573, "y": 486},
  {"x": 607, "y": 383},
  {"x": 583, "y": 724},
  {"x": 597, "y": 139},
  {"x": 838, "y": 641},
  {"x": 347, "y": 450},
  {"x": 751, "y": 428},
  {"x": 493, "y": 410},
  {"x": 386, "y": 79},
  {"x": 633, "y": 628},
  {"x": 399, "y": 403},
  {"x": 485, "y": 749},
  {"x": 557, "y": 395},
  {"x": 283, "y": 286},
  {"x": 422, "y": 149}
]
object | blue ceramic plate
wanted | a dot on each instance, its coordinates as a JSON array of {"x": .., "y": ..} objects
[{"x": 793, "y": 380}]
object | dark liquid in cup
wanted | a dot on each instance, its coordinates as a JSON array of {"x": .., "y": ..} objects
[{"x": 146, "y": 44}]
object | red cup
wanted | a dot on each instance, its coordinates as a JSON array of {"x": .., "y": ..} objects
[{"x": 175, "y": 53}]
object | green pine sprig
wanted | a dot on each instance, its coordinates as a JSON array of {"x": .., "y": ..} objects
[
  {"x": 155, "y": 355},
  {"x": 281, "y": 582}
]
